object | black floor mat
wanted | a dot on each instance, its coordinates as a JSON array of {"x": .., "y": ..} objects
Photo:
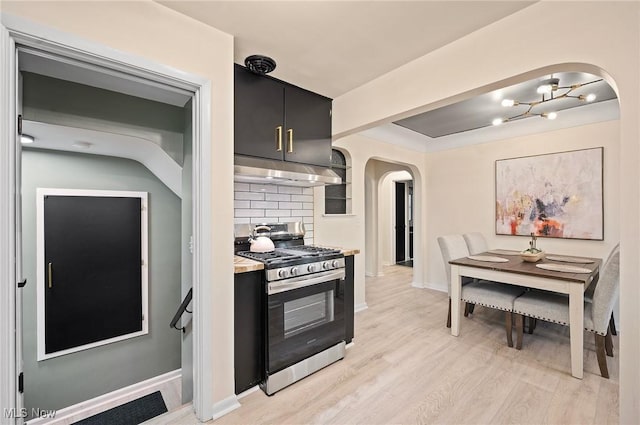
[{"x": 131, "y": 413}]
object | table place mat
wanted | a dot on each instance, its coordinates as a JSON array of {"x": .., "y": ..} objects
[
  {"x": 562, "y": 268},
  {"x": 504, "y": 252},
  {"x": 570, "y": 259},
  {"x": 488, "y": 258}
]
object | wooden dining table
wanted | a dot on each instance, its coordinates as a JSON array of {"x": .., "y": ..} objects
[{"x": 515, "y": 271}]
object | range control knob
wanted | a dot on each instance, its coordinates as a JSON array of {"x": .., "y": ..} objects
[
  {"x": 311, "y": 268},
  {"x": 334, "y": 264},
  {"x": 293, "y": 271},
  {"x": 282, "y": 273},
  {"x": 326, "y": 265}
]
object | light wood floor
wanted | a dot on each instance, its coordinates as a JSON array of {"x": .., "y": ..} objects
[{"x": 406, "y": 368}]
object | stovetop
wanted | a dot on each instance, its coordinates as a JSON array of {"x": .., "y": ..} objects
[{"x": 283, "y": 257}]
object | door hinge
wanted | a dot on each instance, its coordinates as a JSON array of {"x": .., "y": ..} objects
[
  {"x": 21, "y": 382},
  {"x": 20, "y": 125},
  {"x": 22, "y": 284}
]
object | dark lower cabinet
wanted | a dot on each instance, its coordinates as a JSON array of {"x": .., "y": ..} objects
[
  {"x": 248, "y": 330},
  {"x": 349, "y": 298}
]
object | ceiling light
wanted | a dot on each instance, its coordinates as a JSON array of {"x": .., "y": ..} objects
[
  {"x": 588, "y": 98},
  {"x": 81, "y": 145},
  {"x": 25, "y": 139},
  {"x": 550, "y": 87}
]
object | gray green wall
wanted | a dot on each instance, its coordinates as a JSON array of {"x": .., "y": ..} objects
[{"x": 63, "y": 381}]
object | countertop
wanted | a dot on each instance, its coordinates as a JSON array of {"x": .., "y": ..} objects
[{"x": 244, "y": 265}]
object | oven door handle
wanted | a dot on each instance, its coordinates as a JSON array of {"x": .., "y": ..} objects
[{"x": 302, "y": 281}]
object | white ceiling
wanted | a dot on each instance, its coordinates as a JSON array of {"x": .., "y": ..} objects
[{"x": 332, "y": 47}]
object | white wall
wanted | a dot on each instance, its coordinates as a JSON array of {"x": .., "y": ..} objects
[{"x": 149, "y": 30}]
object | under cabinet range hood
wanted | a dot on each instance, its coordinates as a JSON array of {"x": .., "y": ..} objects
[{"x": 267, "y": 171}]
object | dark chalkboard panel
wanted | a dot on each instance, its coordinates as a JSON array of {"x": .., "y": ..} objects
[{"x": 92, "y": 268}]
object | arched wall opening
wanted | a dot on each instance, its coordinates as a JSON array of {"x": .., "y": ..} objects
[{"x": 370, "y": 160}]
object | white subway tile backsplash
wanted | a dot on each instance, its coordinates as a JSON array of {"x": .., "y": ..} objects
[
  {"x": 241, "y": 204},
  {"x": 277, "y": 197},
  {"x": 260, "y": 203},
  {"x": 241, "y": 212},
  {"x": 290, "y": 189},
  {"x": 267, "y": 188},
  {"x": 290, "y": 205},
  {"x": 302, "y": 198},
  {"x": 260, "y": 220},
  {"x": 263, "y": 204},
  {"x": 302, "y": 213},
  {"x": 253, "y": 196},
  {"x": 241, "y": 187},
  {"x": 277, "y": 213}
]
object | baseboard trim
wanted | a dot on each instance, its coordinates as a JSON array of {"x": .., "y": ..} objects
[
  {"x": 102, "y": 403},
  {"x": 360, "y": 307},
  {"x": 225, "y": 406},
  {"x": 349, "y": 345},
  {"x": 435, "y": 287},
  {"x": 417, "y": 285},
  {"x": 247, "y": 392}
]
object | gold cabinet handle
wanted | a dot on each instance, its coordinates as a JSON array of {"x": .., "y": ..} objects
[
  {"x": 290, "y": 136},
  {"x": 50, "y": 274},
  {"x": 279, "y": 138}
]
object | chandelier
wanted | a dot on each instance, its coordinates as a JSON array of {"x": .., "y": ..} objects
[{"x": 550, "y": 90}]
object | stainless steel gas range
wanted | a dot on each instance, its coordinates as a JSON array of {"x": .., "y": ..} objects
[{"x": 304, "y": 304}]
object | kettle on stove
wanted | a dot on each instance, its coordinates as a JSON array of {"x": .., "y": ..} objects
[{"x": 261, "y": 243}]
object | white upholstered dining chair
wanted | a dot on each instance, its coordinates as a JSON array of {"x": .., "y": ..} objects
[
  {"x": 475, "y": 242},
  {"x": 553, "y": 307},
  {"x": 488, "y": 294}
]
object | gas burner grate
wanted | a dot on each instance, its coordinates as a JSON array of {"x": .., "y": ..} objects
[
  {"x": 267, "y": 257},
  {"x": 312, "y": 249}
]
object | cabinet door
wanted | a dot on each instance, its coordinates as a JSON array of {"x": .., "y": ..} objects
[
  {"x": 259, "y": 112},
  {"x": 248, "y": 330},
  {"x": 308, "y": 127}
]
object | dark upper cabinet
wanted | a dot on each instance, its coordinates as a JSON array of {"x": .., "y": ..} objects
[{"x": 276, "y": 120}]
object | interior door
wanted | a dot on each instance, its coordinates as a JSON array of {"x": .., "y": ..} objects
[
  {"x": 92, "y": 268},
  {"x": 400, "y": 222}
]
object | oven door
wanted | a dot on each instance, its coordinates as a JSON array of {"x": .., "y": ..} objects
[{"x": 304, "y": 316}]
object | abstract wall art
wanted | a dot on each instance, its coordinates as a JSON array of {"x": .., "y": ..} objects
[{"x": 558, "y": 195}]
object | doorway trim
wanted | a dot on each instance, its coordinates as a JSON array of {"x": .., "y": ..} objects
[{"x": 15, "y": 30}]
